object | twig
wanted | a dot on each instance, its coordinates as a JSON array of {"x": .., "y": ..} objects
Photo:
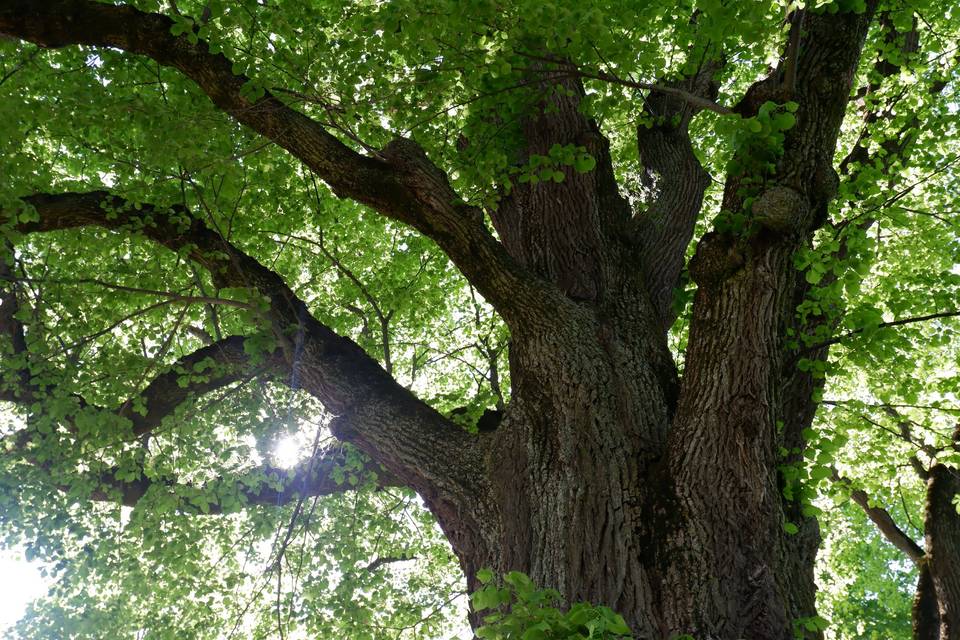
[{"x": 882, "y": 325}]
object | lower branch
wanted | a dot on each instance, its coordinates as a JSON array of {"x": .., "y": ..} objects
[{"x": 411, "y": 440}]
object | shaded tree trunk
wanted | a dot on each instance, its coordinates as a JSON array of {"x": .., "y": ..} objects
[
  {"x": 942, "y": 533},
  {"x": 925, "y": 611},
  {"x": 613, "y": 482}
]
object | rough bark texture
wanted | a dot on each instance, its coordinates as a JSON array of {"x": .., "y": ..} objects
[
  {"x": 609, "y": 478},
  {"x": 942, "y": 529},
  {"x": 676, "y": 183},
  {"x": 926, "y": 613}
]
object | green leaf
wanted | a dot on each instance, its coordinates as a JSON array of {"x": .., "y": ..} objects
[
  {"x": 584, "y": 163},
  {"x": 784, "y": 121}
]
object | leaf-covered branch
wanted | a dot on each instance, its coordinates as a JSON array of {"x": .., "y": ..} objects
[
  {"x": 330, "y": 474},
  {"x": 410, "y": 439},
  {"x": 400, "y": 181},
  {"x": 207, "y": 369},
  {"x": 882, "y": 325}
]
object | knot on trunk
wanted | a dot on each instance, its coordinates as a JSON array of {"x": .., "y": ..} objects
[
  {"x": 717, "y": 258},
  {"x": 407, "y": 156},
  {"x": 781, "y": 209}
]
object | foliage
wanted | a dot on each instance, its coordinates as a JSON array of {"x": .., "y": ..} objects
[
  {"x": 521, "y": 611},
  {"x": 866, "y": 585}
]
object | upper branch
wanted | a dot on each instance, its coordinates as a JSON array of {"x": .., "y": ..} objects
[
  {"x": 676, "y": 182},
  {"x": 399, "y": 182}
]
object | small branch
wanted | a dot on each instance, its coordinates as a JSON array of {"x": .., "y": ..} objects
[
  {"x": 837, "y": 402},
  {"x": 907, "y": 434},
  {"x": 20, "y": 65},
  {"x": 885, "y": 523},
  {"x": 882, "y": 325},
  {"x": 575, "y": 71},
  {"x": 166, "y": 391},
  {"x": 212, "y": 315},
  {"x": 169, "y": 295},
  {"x": 382, "y": 560}
]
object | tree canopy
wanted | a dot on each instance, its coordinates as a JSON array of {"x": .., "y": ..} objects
[{"x": 259, "y": 286}]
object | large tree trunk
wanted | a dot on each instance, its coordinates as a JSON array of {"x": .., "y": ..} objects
[
  {"x": 613, "y": 482},
  {"x": 584, "y": 506}
]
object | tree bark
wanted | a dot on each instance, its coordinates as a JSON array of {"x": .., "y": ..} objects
[
  {"x": 925, "y": 611},
  {"x": 942, "y": 533}
]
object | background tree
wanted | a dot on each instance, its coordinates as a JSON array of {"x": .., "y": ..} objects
[{"x": 575, "y": 275}]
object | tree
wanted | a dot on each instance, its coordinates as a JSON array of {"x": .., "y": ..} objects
[{"x": 648, "y": 223}]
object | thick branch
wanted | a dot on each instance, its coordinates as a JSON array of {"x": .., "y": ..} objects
[
  {"x": 799, "y": 388},
  {"x": 676, "y": 181},
  {"x": 411, "y": 440},
  {"x": 852, "y": 167},
  {"x": 723, "y": 445},
  {"x": 401, "y": 182},
  {"x": 860, "y": 154}
]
